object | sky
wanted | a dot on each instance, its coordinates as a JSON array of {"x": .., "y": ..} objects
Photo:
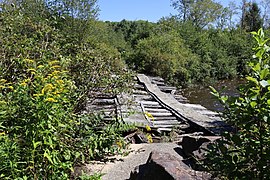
[{"x": 151, "y": 10}]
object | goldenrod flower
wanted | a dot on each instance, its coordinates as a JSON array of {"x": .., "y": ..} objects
[
  {"x": 53, "y": 62},
  {"x": 60, "y": 81},
  {"x": 48, "y": 87},
  {"x": 23, "y": 84},
  {"x": 149, "y": 115},
  {"x": 31, "y": 69},
  {"x": 149, "y": 137},
  {"x": 11, "y": 87},
  {"x": 29, "y": 60},
  {"x": 3, "y": 81},
  {"x": 56, "y": 66},
  {"x": 2, "y": 133},
  {"x": 40, "y": 66},
  {"x": 27, "y": 80},
  {"x": 119, "y": 144},
  {"x": 148, "y": 128},
  {"x": 55, "y": 73},
  {"x": 50, "y": 100}
]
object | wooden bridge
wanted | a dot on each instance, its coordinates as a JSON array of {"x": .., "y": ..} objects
[{"x": 154, "y": 104}]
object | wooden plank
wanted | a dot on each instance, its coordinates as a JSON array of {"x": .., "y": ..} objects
[
  {"x": 143, "y": 97},
  {"x": 165, "y": 126},
  {"x": 156, "y": 110},
  {"x": 149, "y": 103},
  {"x": 173, "y": 122},
  {"x": 159, "y": 83},
  {"x": 165, "y": 118},
  {"x": 161, "y": 130},
  {"x": 152, "y": 106},
  {"x": 157, "y": 79},
  {"x": 167, "y": 88},
  {"x": 183, "y": 111},
  {"x": 158, "y": 114}
]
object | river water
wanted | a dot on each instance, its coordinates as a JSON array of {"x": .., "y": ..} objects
[{"x": 201, "y": 94}]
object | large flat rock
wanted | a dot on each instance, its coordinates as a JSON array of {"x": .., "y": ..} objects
[{"x": 121, "y": 167}]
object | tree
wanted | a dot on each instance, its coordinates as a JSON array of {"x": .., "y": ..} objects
[
  {"x": 200, "y": 12},
  {"x": 183, "y": 7},
  {"x": 252, "y": 20}
]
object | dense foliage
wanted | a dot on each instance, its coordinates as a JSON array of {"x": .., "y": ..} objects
[
  {"x": 244, "y": 154},
  {"x": 47, "y": 70}
]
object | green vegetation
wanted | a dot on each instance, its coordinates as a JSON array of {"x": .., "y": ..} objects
[
  {"x": 54, "y": 54},
  {"x": 47, "y": 71},
  {"x": 244, "y": 154}
]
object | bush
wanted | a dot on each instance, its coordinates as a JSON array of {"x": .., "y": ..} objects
[
  {"x": 166, "y": 56},
  {"x": 41, "y": 134},
  {"x": 35, "y": 114},
  {"x": 244, "y": 154}
]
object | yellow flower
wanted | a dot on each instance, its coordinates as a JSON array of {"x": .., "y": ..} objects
[
  {"x": 55, "y": 73},
  {"x": 53, "y": 62},
  {"x": 48, "y": 87},
  {"x": 50, "y": 100},
  {"x": 56, "y": 66},
  {"x": 23, "y": 84},
  {"x": 29, "y": 60},
  {"x": 149, "y": 115},
  {"x": 3, "y": 81},
  {"x": 119, "y": 144},
  {"x": 2, "y": 87},
  {"x": 40, "y": 66},
  {"x": 11, "y": 87},
  {"x": 148, "y": 128},
  {"x": 149, "y": 137},
  {"x": 27, "y": 80},
  {"x": 60, "y": 81},
  {"x": 2, "y": 133}
]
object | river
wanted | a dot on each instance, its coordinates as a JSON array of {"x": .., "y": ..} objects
[{"x": 201, "y": 94}]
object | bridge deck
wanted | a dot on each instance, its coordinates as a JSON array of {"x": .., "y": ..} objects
[{"x": 214, "y": 125}]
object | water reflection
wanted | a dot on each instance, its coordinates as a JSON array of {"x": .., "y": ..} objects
[{"x": 201, "y": 94}]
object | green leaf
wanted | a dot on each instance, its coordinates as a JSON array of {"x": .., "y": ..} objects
[
  {"x": 252, "y": 79},
  {"x": 253, "y": 104},
  {"x": 214, "y": 91},
  {"x": 264, "y": 73},
  {"x": 46, "y": 155},
  {"x": 35, "y": 144},
  {"x": 254, "y": 33},
  {"x": 257, "y": 67}
]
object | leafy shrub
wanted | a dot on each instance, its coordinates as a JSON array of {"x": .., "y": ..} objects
[
  {"x": 166, "y": 56},
  {"x": 41, "y": 135},
  {"x": 35, "y": 114},
  {"x": 244, "y": 154}
]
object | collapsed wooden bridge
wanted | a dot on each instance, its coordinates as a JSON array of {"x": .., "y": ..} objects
[{"x": 154, "y": 104}]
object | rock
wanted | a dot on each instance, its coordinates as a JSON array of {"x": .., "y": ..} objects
[
  {"x": 160, "y": 166},
  {"x": 196, "y": 143}
]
